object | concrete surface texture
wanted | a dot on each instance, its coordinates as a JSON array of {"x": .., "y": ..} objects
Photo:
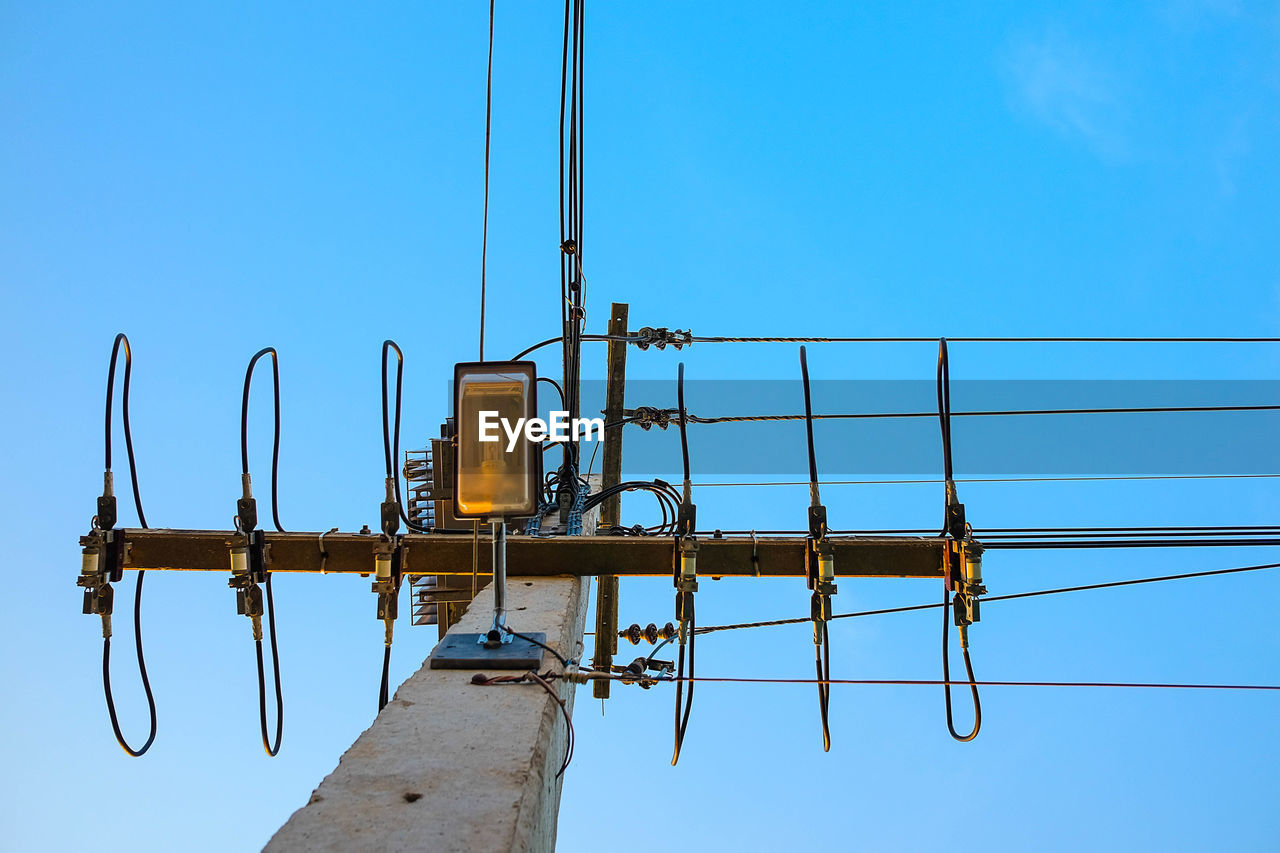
[{"x": 452, "y": 766}]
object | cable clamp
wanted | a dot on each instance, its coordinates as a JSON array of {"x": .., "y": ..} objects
[
  {"x": 661, "y": 337},
  {"x": 820, "y": 604},
  {"x": 968, "y": 582},
  {"x": 819, "y": 554},
  {"x": 388, "y": 558},
  {"x": 249, "y": 566},
  {"x": 99, "y": 559},
  {"x": 954, "y": 524},
  {"x": 648, "y": 417}
]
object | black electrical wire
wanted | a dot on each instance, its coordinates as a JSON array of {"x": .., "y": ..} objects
[
  {"x": 488, "y": 126},
  {"x": 1129, "y": 543},
  {"x": 1188, "y": 532},
  {"x": 808, "y": 424},
  {"x": 137, "y": 590},
  {"x": 391, "y": 433},
  {"x": 1010, "y": 597},
  {"x": 571, "y": 215},
  {"x": 684, "y": 438},
  {"x": 570, "y": 738},
  {"x": 564, "y": 286},
  {"x": 925, "y": 482},
  {"x": 635, "y": 338},
  {"x": 384, "y": 690},
  {"x": 1000, "y": 340},
  {"x": 682, "y": 719},
  {"x": 822, "y": 656},
  {"x": 578, "y": 185},
  {"x": 922, "y": 682},
  {"x": 668, "y": 498},
  {"x": 1093, "y": 537},
  {"x": 944, "y": 424},
  {"x": 564, "y": 661},
  {"x": 855, "y": 416},
  {"x": 944, "y": 410},
  {"x": 560, "y": 339},
  {"x": 822, "y": 649},
  {"x": 275, "y": 444},
  {"x": 554, "y": 384},
  {"x": 124, "y": 407},
  {"x": 271, "y": 746},
  {"x": 682, "y": 722},
  {"x": 987, "y": 533},
  {"x": 946, "y": 676}
]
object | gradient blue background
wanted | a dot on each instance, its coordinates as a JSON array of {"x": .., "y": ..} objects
[{"x": 217, "y": 177}]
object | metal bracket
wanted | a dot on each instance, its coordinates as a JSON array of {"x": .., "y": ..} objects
[{"x": 468, "y": 651}]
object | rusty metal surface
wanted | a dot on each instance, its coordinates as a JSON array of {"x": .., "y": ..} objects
[
  {"x": 606, "y": 642},
  {"x": 627, "y": 556}
]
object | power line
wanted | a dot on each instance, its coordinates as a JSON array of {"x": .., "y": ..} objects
[
  {"x": 999, "y": 340},
  {"x": 1030, "y": 533},
  {"x": 913, "y": 682},
  {"x": 1126, "y": 410},
  {"x": 488, "y": 126},
  {"x": 910, "y": 482},
  {"x": 1010, "y": 597},
  {"x": 1005, "y": 545}
]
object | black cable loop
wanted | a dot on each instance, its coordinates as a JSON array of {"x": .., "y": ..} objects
[
  {"x": 946, "y": 677},
  {"x": 683, "y": 706},
  {"x": 272, "y": 750},
  {"x": 808, "y": 422},
  {"x": 385, "y": 689},
  {"x": 556, "y": 385},
  {"x": 944, "y": 422},
  {"x": 244, "y": 429},
  {"x": 137, "y": 590},
  {"x": 391, "y": 434},
  {"x": 124, "y": 406},
  {"x": 682, "y": 722},
  {"x": 822, "y": 650},
  {"x": 822, "y": 655},
  {"x": 944, "y": 410},
  {"x": 684, "y": 438}
]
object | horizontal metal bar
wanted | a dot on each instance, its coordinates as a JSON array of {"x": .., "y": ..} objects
[{"x": 445, "y": 554}]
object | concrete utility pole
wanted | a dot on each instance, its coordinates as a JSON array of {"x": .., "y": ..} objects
[
  {"x": 452, "y": 766},
  {"x": 449, "y": 765}
]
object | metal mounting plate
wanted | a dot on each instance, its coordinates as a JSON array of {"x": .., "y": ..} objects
[{"x": 465, "y": 651}]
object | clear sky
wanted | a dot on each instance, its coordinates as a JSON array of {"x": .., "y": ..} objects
[{"x": 213, "y": 178}]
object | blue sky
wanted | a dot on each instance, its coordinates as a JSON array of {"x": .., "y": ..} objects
[{"x": 214, "y": 178}]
